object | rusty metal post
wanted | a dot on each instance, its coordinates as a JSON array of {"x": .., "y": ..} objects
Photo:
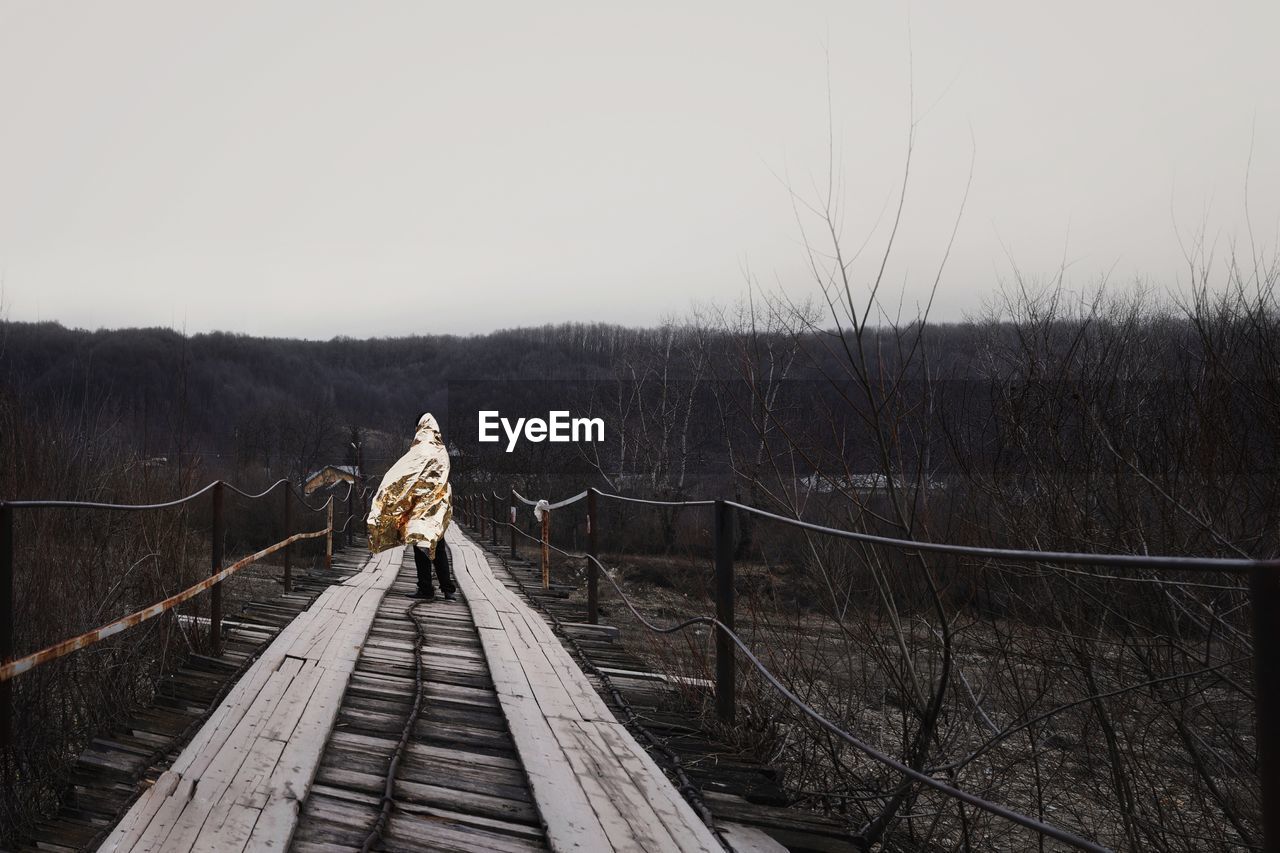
[
  {"x": 512, "y": 528},
  {"x": 7, "y": 614},
  {"x": 722, "y": 533},
  {"x": 288, "y": 527},
  {"x": 215, "y": 563},
  {"x": 351, "y": 531},
  {"x": 328, "y": 534},
  {"x": 1264, "y": 597},
  {"x": 493, "y": 519},
  {"x": 546, "y": 549},
  {"x": 593, "y": 551},
  {"x": 338, "y": 538}
]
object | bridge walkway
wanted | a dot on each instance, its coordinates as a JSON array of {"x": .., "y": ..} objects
[
  {"x": 299, "y": 750},
  {"x": 460, "y": 784}
]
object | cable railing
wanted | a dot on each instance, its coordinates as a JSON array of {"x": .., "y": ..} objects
[
  {"x": 481, "y": 513},
  {"x": 12, "y": 666}
]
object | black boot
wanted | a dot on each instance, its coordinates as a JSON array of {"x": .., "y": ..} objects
[{"x": 422, "y": 562}]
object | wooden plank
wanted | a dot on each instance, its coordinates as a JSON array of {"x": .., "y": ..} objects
[
  {"x": 241, "y": 779},
  {"x": 484, "y": 613},
  {"x": 607, "y": 632},
  {"x": 748, "y": 839},
  {"x": 658, "y": 676},
  {"x": 301, "y": 757},
  {"x": 433, "y": 795},
  {"x": 216, "y": 771},
  {"x": 654, "y": 788},
  {"x": 595, "y": 787},
  {"x": 164, "y": 818},
  {"x": 570, "y": 820},
  {"x": 627, "y": 819},
  {"x": 568, "y": 678},
  {"x": 130, "y": 829}
]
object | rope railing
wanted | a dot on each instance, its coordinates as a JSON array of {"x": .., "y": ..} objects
[
  {"x": 557, "y": 505},
  {"x": 12, "y": 666},
  {"x": 1045, "y": 829},
  {"x": 259, "y": 495},
  {"x": 1264, "y": 590},
  {"x": 1021, "y": 555},
  {"x": 59, "y": 504}
]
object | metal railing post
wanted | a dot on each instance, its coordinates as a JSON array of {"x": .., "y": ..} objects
[
  {"x": 328, "y": 534},
  {"x": 546, "y": 549},
  {"x": 1264, "y": 597},
  {"x": 493, "y": 519},
  {"x": 593, "y": 571},
  {"x": 722, "y": 532},
  {"x": 288, "y": 526},
  {"x": 339, "y": 540},
  {"x": 215, "y": 563},
  {"x": 7, "y": 614},
  {"x": 512, "y": 529},
  {"x": 484, "y": 522},
  {"x": 351, "y": 503}
]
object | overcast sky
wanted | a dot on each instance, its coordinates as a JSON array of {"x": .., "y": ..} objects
[{"x": 373, "y": 168}]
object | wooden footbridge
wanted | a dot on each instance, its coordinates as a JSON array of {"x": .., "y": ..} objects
[
  {"x": 279, "y": 762},
  {"x": 369, "y": 719},
  {"x": 360, "y": 718}
]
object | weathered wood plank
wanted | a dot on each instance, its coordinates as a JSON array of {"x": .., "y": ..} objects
[
  {"x": 748, "y": 839},
  {"x": 594, "y": 786},
  {"x": 242, "y": 777}
]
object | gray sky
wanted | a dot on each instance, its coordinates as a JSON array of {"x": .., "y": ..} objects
[{"x": 318, "y": 168}]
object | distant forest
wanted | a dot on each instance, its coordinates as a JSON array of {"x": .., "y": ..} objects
[
  {"x": 284, "y": 404},
  {"x": 724, "y": 393},
  {"x": 281, "y": 407}
]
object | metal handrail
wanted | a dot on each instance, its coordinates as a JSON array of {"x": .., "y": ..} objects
[
  {"x": 28, "y": 662},
  {"x": 11, "y": 666},
  {"x": 1259, "y": 570}
]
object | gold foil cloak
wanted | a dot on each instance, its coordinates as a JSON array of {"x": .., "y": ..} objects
[{"x": 415, "y": 502}]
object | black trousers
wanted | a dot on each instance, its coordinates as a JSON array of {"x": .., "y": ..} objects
[{"x": 422, "y": 560}]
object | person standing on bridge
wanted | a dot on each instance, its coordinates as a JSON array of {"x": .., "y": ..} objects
[{"x": 413, "y": 506}]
